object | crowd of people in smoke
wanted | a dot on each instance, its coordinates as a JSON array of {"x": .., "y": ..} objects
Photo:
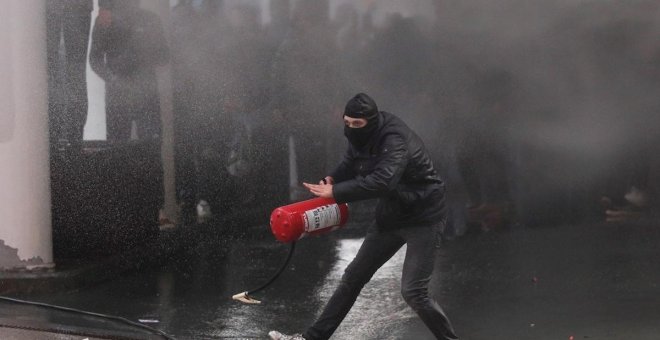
[{"x": 529, "y": 120}]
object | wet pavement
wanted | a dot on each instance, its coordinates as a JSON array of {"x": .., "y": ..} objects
[{"x": 588, "y": 281}]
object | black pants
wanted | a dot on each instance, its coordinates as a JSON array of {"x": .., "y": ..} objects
[
  {"x": 132, "y": 99},
  {"x": 67, "y": 83},
  {"x": 377, "y": 248}
]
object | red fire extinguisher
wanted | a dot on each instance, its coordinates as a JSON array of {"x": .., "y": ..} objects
[
  {"x": 311, "y": 217},
  {"x": 295, "y": 221}
]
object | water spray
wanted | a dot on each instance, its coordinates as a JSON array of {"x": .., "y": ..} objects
[{"x": 292, "y": 222}]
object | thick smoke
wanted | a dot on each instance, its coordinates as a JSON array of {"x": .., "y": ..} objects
[{"x": 550, "y": 102}]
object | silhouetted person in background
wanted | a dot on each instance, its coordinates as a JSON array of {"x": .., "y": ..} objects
[
  {"x": 185, "y": 30},
  {"x": 305, "y": 78},
  {"x": 388, "y": 161},
  {"x": 67, "y": 22},
  {"x": 210, "y": 123},
  {"x": 448, "y": 76},
  {"x": 267, "y": 131},
  {"x": 246, "y": 58},
  {"x": 125, "y": 50},
  {"x": 629, "y": 49},
  {"x": 484, "y": 151}
]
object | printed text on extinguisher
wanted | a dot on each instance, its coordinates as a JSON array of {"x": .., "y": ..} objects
[{"x": 322, "y": 217}]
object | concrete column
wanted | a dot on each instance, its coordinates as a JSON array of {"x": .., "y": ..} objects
[
  {"x": 25, "y": 211},
  {"x": 164, "y": 76}
]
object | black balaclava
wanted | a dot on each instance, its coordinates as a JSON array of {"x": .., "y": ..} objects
[{"x": 361, "y": 106}]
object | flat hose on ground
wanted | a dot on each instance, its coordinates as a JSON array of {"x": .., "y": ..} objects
[{"x": 78, "y": 311}]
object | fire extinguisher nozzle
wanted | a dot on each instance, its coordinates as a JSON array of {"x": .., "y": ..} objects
[{"x": 245, "y": 298}]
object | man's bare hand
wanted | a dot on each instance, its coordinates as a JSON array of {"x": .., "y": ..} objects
[
  {"x": 327, "y": 180},
  {"x": 320, "y": 190}
]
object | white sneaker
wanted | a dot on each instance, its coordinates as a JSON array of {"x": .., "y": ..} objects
[
  {"x": 204, "y": 213},
  {"x": 275, "y": 335}
]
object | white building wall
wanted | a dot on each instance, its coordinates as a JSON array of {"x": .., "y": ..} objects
[{"x": 25, "y": 210}]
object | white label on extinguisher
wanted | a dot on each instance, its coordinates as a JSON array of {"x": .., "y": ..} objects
[{"x": 322, "y": 217}]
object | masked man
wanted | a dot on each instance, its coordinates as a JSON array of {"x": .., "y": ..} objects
[{"x": 388, "y": 161}]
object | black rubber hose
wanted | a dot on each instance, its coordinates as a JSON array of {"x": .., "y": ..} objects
[
  {"x": 77, "y": 311},
  {"x": 277, "y": 274}
]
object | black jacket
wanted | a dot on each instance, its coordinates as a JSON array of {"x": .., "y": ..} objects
[
  {"x": 131, "y": 47},
  {"x": 394, "y": 167}
]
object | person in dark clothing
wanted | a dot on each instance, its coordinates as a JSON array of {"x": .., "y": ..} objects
[
  {"x": 483, "y": 154},
  {"x": 388, "y": 161},
  {"x": 126, "y": 47},
  {"x": 304, "y": 87},
  {"x": 67, "y": 21}
]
